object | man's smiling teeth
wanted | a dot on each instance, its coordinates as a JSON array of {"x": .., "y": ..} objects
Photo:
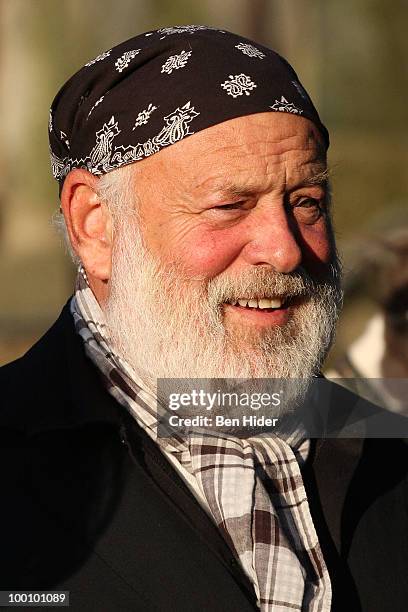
[{"x": 261, "y": 303}]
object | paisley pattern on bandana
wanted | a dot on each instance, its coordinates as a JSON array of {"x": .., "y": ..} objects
[
  {"x": 283, "y": 106},
  {"x": 189, "y": 29},
  {"x": 175, "y": 62},
  {"x": 250, "y": 50},
  {"x": 123, "y": 62},
  {"x": 95, "y": 105},
  {"x": 144, "y": 116},
  {"x": 164, "y": 86},
  {"x": 99, "y": 58},
  {"x": 105, "y": 156},
  {"x": 238, "y": 84}
]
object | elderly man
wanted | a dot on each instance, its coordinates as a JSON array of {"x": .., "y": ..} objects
[{"x": 193, "y": 182}]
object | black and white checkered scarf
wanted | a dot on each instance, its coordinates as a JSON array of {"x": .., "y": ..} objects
[{"x": 252, "y": 487}]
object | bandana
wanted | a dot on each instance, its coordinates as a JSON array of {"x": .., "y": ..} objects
[
  {"x": 162, "y": 86},
  {"x": 252, "y": 488}
]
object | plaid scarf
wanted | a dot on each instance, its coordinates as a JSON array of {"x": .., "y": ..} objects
[{"x": 252, "y": 487}]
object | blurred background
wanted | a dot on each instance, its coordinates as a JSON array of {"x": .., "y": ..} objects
[{"x": 352, "y": 57}]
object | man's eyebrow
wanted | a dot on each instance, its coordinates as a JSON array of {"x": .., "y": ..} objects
[
  {"x": 234, "y": 190},
  {"x": 320, "y": 178}
]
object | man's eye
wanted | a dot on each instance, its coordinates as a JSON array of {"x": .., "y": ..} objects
[
  {"x": 232, "y": 206},
  {"x": 308, "y": 210}
]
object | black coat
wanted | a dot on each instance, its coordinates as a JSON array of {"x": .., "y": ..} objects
[{"x": 89, "y": 503}]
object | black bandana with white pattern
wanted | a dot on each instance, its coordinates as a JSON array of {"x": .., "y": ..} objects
[{"x": 159, "y": 87}]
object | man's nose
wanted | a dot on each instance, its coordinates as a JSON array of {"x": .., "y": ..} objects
[{"x": 272, "y": 240}]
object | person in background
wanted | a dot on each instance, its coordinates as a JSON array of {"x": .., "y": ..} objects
[{"x": 376, "y": 364}]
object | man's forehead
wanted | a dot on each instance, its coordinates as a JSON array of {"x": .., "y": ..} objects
[
  {"x": 237, "y": 154},
  {"x": 255, "y": 129}
]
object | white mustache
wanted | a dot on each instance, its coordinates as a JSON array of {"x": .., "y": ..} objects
[{"x": 264, "y": 282}]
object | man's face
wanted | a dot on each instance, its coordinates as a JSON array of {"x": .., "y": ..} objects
[
  {"x": 236, "y": 196},
  {"x": 230, "y": 271}
]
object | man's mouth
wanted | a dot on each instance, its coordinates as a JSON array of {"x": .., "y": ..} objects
[
  {"x": 264, "y": 303},
  {"x": 265, "y": 311}
]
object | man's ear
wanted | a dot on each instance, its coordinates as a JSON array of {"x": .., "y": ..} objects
[{"x": 88, "y": 223}]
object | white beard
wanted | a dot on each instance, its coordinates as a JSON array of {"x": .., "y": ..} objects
[{"x": 169, "y": 326}]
